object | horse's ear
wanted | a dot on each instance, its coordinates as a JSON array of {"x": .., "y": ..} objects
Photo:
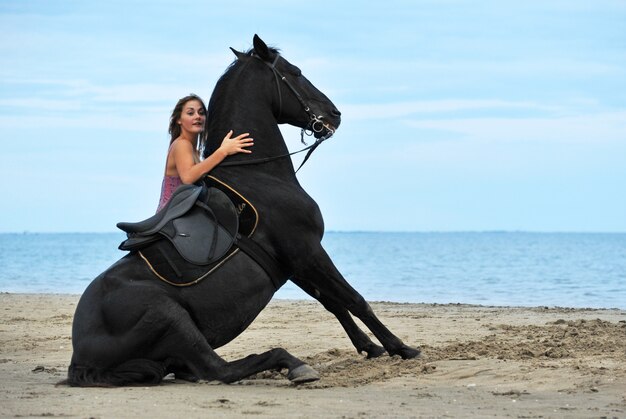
[
  {"x": 261, "y": 49},
  {"x": 238, "y": 54}
]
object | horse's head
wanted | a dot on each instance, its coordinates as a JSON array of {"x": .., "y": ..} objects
[{"x": 294, "y": 99}]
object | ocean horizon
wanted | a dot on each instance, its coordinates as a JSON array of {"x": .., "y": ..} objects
[{"x": 501, "y": 268}]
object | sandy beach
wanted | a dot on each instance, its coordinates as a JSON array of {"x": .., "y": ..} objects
[{"x": 477, "y": 362}]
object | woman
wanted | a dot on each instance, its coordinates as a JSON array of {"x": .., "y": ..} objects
[{"x": 183, "y": 163}]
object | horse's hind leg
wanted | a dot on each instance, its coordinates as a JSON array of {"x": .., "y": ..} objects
[
  {"x": 274, "y": 359},
  {"x": 359, "y": 339},
  {"x": 188, "y": 352},
  {"x": 323, "y": 277}
]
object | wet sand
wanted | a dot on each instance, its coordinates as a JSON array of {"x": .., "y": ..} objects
[{"x": 477, "y": 361}]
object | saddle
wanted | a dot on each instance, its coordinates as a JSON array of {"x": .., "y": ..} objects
[
  {"x": 200, "y": 228},
  {"x": 200, "y": 222}
]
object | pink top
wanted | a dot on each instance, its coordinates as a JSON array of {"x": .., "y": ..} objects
[{"x": 169, "y": 185}]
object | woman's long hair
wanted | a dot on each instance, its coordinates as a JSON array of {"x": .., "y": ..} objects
[{"x": 175, "y": 130}]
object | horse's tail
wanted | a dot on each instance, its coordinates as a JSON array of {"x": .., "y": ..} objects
[{"x": 132, "y": 372}]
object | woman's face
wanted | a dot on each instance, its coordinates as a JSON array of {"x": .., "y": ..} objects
[{"x": 192, "y": 118}]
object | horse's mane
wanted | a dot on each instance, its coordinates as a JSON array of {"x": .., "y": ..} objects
[
  {"x": 219, "y": 91},
  {"x": 248, "y": 53},
  {"x": 230, "y": 69}
]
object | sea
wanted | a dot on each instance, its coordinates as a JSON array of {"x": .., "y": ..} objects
[{"x": 578, "y": 270}]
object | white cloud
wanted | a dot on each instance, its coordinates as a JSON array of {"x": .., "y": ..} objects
[
  {"x": 604, "y": 127},
  {"x": 146, "y": 122},
  {"x": 93, "y": 91},
  {"x": 403, "y": 109},
  {"x": 73, "y": 104},
  {"x": 38, "y": 104}
]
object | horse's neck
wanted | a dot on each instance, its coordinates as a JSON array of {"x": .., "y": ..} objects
[
  {"x": 240, "y": 104},
  {"x": 260, "y": 123}
]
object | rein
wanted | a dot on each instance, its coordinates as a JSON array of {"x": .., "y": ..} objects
[
  {"x": 311, "y": 148},
  {"x": 315, "y": 124}
]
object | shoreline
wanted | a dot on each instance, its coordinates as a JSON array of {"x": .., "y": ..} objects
[
  {"x": 385, "y": 302},
  {"x": 477, "y": 361}
]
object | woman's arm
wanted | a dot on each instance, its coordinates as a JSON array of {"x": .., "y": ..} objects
[{"x": 189, "y": 171}]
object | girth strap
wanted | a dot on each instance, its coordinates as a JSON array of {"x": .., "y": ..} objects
[{"x": 264, "y": 259}]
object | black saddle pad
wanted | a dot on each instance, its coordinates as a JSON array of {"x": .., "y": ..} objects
[{"x": 168, "y": 265}]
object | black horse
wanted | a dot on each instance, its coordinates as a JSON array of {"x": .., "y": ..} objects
[{"x": 131, "y": 328}]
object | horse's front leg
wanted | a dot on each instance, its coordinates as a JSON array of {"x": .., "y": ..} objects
[
  {"x": 319, "y": 274},
  {"x": 359, "y": 339}
]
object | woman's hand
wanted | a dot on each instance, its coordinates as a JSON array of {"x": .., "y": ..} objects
[{"x": 236, "y": 144}]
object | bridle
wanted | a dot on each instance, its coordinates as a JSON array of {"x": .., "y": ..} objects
[{"x": 315, "y": 124}]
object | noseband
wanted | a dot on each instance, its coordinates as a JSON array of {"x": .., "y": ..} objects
[{"x": 315, "y": 124}]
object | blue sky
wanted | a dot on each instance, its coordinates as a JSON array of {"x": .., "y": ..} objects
[{"x": 457, "y": 116}]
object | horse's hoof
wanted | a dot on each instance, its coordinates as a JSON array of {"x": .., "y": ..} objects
[
  {"x": 303, "y": 374},
  {"x": 374, "y": 351},
  {"x": 406, "y": 352}
]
